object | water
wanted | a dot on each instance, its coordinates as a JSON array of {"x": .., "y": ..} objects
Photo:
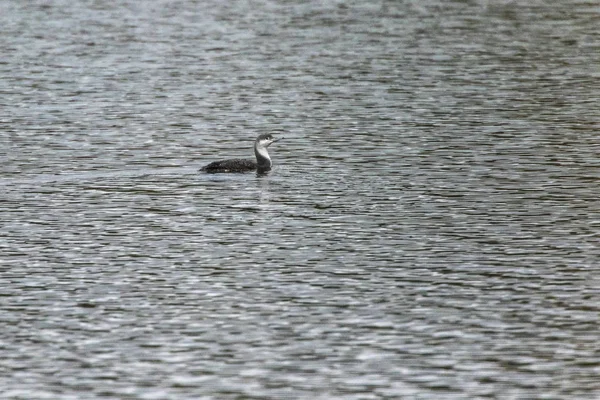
[{"x": 430, "y": 228}]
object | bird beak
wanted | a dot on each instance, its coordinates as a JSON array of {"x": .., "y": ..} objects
[{"x": 277, "y": 140}]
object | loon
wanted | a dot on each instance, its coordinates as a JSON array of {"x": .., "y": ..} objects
[{"x": 263, "y": 161}]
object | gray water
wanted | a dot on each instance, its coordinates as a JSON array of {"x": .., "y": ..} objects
[{"x": 430, "y": 230}]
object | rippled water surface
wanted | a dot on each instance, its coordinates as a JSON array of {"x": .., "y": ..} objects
[{"x": 431, "y": 227}]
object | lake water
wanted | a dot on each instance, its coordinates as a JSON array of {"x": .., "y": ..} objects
[{"x": 430, "y": 230}]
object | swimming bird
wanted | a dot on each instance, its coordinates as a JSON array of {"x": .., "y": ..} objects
[{"x": 263, "y": 161}]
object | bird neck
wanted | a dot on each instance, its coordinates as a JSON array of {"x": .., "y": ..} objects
[{"x": 262, "y": 158}]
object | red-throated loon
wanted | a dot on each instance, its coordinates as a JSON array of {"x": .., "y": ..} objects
[{"x": 263, "y": 161}]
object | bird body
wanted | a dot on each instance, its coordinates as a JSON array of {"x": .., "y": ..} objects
[{"x": 234, "y": 165}]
